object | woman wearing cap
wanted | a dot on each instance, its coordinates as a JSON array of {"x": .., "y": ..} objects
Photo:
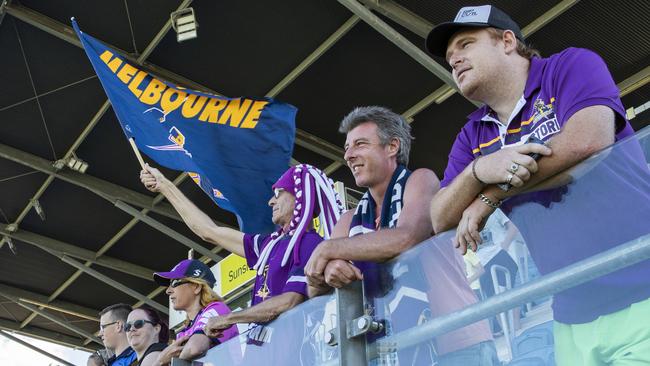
[
  {"x": 147, "y": 334},
  {"x": 189, "y": 286},
  {"x": 301, "y": 194}
]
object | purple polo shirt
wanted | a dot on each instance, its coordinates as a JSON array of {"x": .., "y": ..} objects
[
  {"x": 279, "y": 279},
  {"x": 556, "y": 88},
  {"x": 564, "y": 225}
]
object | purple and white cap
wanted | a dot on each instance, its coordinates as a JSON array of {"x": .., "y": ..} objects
[
  {"x": 188, "y": 268},
  {"x": 315, "y": 197}
]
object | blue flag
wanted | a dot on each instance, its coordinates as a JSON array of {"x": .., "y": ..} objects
[{"x": 234, "y": 148}]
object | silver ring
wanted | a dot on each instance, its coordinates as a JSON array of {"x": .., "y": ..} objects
[
  {"x": 509, "y": 178},
  {"x": 513, "y": 168}
]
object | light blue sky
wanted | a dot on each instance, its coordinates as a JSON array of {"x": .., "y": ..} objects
[{"x": 14, "y": 354}]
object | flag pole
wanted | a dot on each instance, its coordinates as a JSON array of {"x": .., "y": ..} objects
[{"x": 137, "y": 152}]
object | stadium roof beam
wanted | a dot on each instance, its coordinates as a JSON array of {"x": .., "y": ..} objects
[
  {"x": 399, "y": 40},
  {"x": 107, "y": 190},
  {"x": 36, "y": 349},
  {"x": 54, "y": 307},
  {"x": 53, "y": 318},
  {"x": 111, "y": 282},
  {"x": 400, "y": 15},
  {"x": 319, "y": 146},
  {"x": 47, "y": 335},
  {"x": 58, "y": 248},
  {"x": 42, "y": 300},
  {"x": 3, "y": 9},
  {"x": 315, "y": 55},
  {"x": 167, "y": 231},
  {"x": 634, "y": 82}
]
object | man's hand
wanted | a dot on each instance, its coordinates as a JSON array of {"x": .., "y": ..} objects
[
  {"x": 510, "y": 165},
  {"x": 171, "y": 351},
  {"x": 315, "y": 268},
  {"x": 470, "y": 225},
  {"x": 216, "y": 325},
  {"x": 339, "y": 273},
  {"x": 152, "y": 178}
]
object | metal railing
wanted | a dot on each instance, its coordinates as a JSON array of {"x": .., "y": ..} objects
[
  {"x": 344, "y": 342},
  {"x": 349, "y": 305},
  {"x": 601, "y": 264}
]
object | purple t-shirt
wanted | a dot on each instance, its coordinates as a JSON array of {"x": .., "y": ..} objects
[
  {"x": 196, "y": 326},
  {"x": 278, "y": 279},
  {"x": 564, "y": 225}
]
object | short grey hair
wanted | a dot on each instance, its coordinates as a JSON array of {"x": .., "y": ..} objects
[{"x": 390, "y": 125}]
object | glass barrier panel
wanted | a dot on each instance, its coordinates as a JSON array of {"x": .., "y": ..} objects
[
  {"x": 294, "y": 338},
  {"x": 598, "y": 205}
]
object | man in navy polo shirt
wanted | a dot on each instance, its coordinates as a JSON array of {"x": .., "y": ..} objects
[{"x": 570, "y": 102}]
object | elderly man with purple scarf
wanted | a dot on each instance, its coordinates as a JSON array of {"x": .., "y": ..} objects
[{"x": 300, "y": 195}]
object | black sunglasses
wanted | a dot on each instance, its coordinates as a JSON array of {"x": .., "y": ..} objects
[
  {"x": 176, "y": 283},
  {"x": 137, "y": 324}
]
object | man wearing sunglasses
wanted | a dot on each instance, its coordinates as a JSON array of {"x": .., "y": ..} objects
[
  {"x": 300, "y": 195},
  {"x": 113, "y": 333}
]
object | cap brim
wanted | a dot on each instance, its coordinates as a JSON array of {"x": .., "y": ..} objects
[
  {"x": 165, "y": 278},
  {"x": 438, "y": 38}
]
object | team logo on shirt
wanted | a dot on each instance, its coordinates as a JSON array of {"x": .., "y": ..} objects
[
  {"x": 544, "y": 120},
  {"x": 542, "y": 110}
]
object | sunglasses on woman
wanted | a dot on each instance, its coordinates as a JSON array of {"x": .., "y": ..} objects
[
  {"x": 176, "y": 283},
  {"x": 137, "y": 324}
]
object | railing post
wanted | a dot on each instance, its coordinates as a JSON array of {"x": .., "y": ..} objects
[{"x": 349, "y": 306}]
